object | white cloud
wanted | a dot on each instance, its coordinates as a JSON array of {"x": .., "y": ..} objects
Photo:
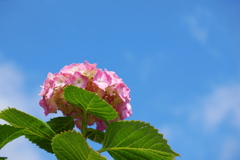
[
  {"x": 230, "y": 147},
  {"x": 218, "y": 114},
  {"x": 221, "y": 104},
  {"x": 12, "y": 94},
  {"x": 198, "y": 32},
  {"x": 20, "y": 149},
  {"x": 11, "y": 84},
  {"x": 166, "y": 131},
  {"x": 199, "y": 24}
]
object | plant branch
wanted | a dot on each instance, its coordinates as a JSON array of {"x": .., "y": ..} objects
[{"x": 84, "y": 123}]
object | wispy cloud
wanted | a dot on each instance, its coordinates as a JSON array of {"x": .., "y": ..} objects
[
  {"x": 166, "y": 131},
  {"x": 223, "y": 103},
  {"x": 229, "y": 149},
  {"x": 218, "y": 114},
  {"x": 198, "y": 24},
  {"x": 11, "y": 84},
  {"x": 12, "y": 94},
  {"x": 20, "y": 149}
]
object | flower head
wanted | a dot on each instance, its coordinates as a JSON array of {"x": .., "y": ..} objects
[{"x": 106, "y": 84}]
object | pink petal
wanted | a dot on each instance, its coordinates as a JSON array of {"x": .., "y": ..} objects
[
  {"x": 114, "y": 79},
  {"x": 71, "y": 68},
  {"x": 101, "y": 79},
  {"x": 43, "y": 104},
  {"x": 48, "y": 83},
  {"x": 123, "y": 91},
  {"x": 77, "y": 79}
]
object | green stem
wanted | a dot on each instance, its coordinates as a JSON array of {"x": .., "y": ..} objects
[
  {"x": 84, "y": 123},
  {"x": 106, "y": 122},
  {"x": 101, "y": 150}
]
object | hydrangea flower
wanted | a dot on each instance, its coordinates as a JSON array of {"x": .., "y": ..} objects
[{"x": 106, "y": 84}]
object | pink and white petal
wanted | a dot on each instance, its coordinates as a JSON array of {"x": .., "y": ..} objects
[
  {"x": 43, "y": 104},
  {"x": 101, "y": 79},
  {"x": 126, "y": 114},
  {"x": 122, "y": 91},
  {"x": 70, "y": 69},
  {"x": 60, "y": 79},
  {"x": 90, "y": 66},
  {"x": 48, "y": 83},
  {"x": 78, "y": 80},
  {"x": 49, "y": 93},
  {"x": 114, "y": 79}
]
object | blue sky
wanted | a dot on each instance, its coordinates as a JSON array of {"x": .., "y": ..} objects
[{"x": 181, "y": 60}]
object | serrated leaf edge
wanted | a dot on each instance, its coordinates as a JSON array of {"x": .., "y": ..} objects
[
  {"x": 17, "y": 132},
  {"x": 46, "y": 125},
  {"x": 149, "y": 125},
  {"x": 74, "y": 131},
  {"x": 29, "y": 131},
  {"x": 56, "y": 118}
]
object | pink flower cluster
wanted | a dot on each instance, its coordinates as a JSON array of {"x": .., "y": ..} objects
[{"x": 106, "y": 84}]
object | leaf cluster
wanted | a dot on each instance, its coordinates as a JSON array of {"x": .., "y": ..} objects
[{"x": 123, "y": 140}]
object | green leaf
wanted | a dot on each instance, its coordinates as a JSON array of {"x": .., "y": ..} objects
[
  {"x": 95, "y": 135},
  {"x": 73, "y": 146},
  {"x": 36, "y": 130},
  {"x": 89, "y": 102},
  {"x": 126, "y": 140},
  {"x": 61, "y": 124},
  {"x": 9, "y": 133},
  {"x": 3, "y": 158}
]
